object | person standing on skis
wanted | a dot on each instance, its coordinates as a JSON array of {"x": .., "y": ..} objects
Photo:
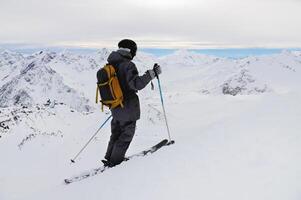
[{"x": 123, "y": 124}]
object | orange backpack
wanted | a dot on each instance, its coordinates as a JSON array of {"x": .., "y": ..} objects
[{"x": 108, "y": 87}]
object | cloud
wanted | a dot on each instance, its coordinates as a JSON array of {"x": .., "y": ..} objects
[{"x": 159, "y": 23}]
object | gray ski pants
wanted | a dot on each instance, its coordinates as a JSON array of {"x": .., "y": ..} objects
[{"x": 121, "y": 137}]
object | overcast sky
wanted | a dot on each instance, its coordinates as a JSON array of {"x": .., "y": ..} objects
[{"x": 152, "y": 23}]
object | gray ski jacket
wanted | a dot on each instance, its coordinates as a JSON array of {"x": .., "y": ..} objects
[{"x": 130, "y": 83}]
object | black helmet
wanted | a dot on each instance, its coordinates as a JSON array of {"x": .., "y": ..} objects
[{"x": 129, "y": 44}]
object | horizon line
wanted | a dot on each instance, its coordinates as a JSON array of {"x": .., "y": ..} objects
[{"x": 175, "y": 45}]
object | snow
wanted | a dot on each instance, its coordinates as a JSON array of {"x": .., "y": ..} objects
[{"x": 237, "y": 145}]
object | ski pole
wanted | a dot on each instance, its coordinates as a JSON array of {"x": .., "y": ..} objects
[
  {"x": 162, "y": 102},
  {"x": 73, "y": 160}
]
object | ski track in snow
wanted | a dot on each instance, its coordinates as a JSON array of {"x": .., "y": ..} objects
[{"x": 236, "y": 124}]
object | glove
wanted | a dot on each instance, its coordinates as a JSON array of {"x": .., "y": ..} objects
[
  {"x": 157, "y": 69},
  {"x": 153, "y": 73}
]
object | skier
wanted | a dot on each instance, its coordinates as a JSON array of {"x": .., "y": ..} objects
[{"x": 123, "y": 124}]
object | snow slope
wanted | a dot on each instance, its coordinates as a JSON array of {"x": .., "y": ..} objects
[{"x": 235, "y": 122}]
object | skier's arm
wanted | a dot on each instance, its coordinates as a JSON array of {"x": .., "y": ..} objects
[{"x": 135, "y": 81}]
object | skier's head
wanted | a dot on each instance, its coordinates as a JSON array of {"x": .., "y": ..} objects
[{"x": 128, "y": 44}]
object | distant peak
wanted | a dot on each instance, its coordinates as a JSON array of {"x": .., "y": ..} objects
[
  {"x": 103, "y": 51},
  {"x": 182, "y": 52},
  {"x": 286, "y": 52}
]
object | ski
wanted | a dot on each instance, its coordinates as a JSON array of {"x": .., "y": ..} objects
[
  {"x": 148, "y": 151},
  {"x": 101, "y": 169}
]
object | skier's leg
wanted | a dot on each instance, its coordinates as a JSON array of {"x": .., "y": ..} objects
[
  {"x": 123, "y": 142},
  {"x": 115, "y": 133}
]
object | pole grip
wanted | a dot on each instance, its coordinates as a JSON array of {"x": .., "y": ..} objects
[{"x": 155, "y": 65}]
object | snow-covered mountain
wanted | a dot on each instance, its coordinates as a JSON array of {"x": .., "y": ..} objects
[
  {"x": 10, "y": 63},
  {"x": 66, "y": 78},
  {"x": 187, "y": 58},
  {"x": 251, "y": 75},
  {"x": 235, "y": 122},
  {"x": 205, "y": 74},
  {"x": 37, "y": 83},
  {"x": 8, "y": 58}
]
